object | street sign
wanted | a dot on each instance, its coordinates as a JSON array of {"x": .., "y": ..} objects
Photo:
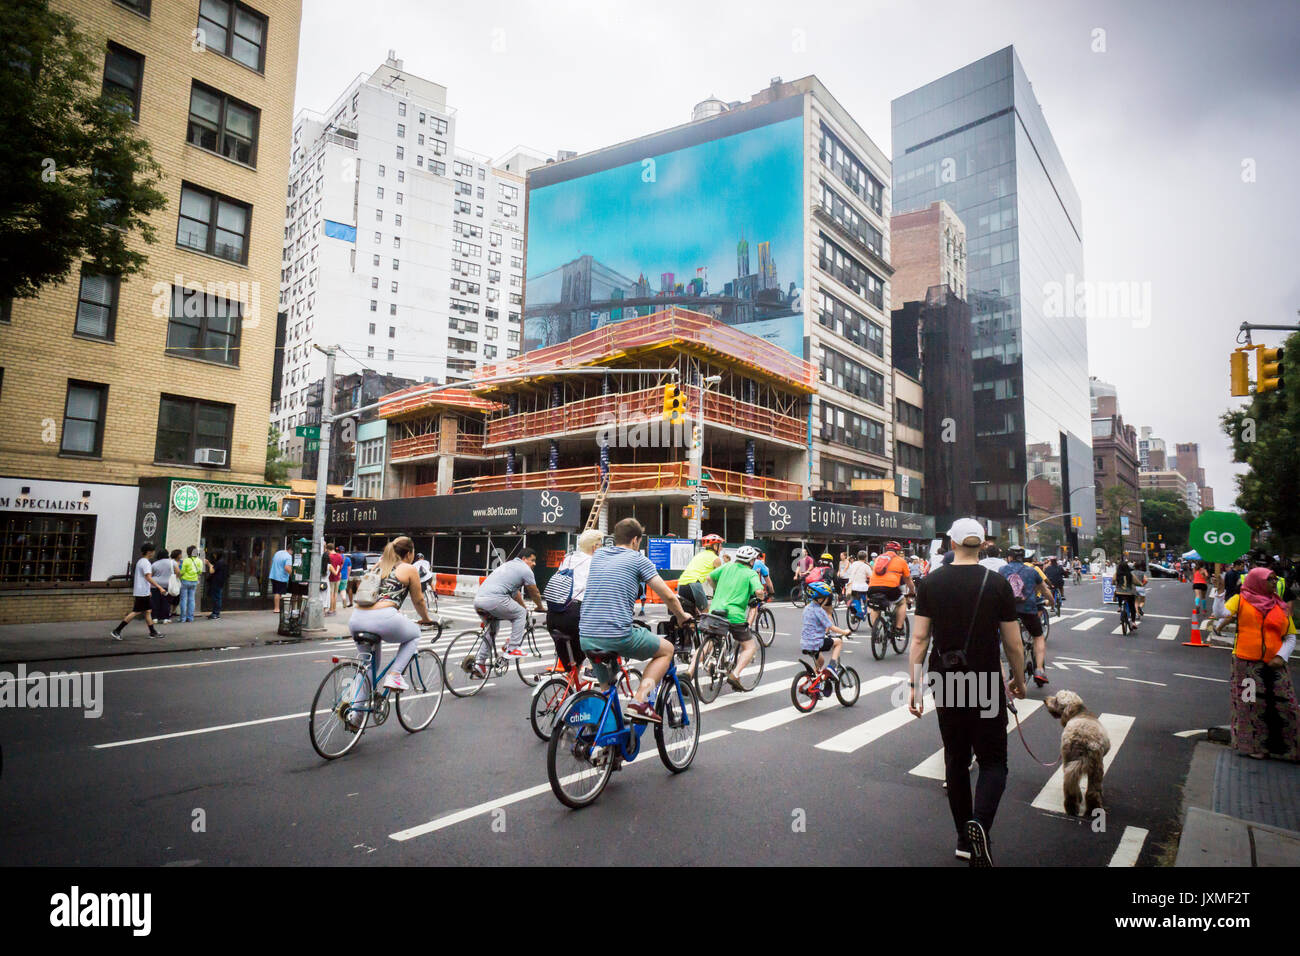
[
  {"x": 312, "y": 444},
  {"x": 692, "y": 482},
  {"x": 702, "y": 493},
  {"x": 1219, "y": 536},
  {"x": 1108, "y": 590},
  {"x": 307, "y": 431},
  {"x": 706, "y": 476}
]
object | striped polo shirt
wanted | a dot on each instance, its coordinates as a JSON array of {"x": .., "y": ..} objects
[{"x": 613, "y": 586}]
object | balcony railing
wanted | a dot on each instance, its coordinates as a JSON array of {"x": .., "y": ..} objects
[
  {"x": 641, "y": 479},
  {"x": 425, "y": 446},
  {"x": 643, "y": 407}
]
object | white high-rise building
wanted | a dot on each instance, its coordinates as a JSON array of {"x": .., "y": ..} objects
[{"x": 400, "y": 248}]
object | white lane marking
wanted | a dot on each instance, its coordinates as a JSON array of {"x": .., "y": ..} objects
[
  {"x": 1084, "y": 625},
  {"x": 1130, "y": 847},
  {"x": 788, "y": 713},
  {"x": 762, "y": 690},
  {"x": 460, "y": 816},
  {"x": 1217, "y": 680},
  {"x": 934, "y": 767},
  {"x": 1118, "y": 630},
  {"x": 1168, "y": 632},
  {"x": 855, "y": 738},
  {"x": 1134, "y": 680},
  {"x": 1190, "y": 733},
  {"x": 1052, "y": 796}
]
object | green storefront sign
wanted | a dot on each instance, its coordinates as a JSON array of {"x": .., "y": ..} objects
[{"x": 253, "y": 504}]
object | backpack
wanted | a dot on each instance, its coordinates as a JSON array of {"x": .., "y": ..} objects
[
  {"x": 1017, "y": 586},
  {"x": 559, "y": 591},
  {"x": 882, "y": 564},
  {"x": 368, "y": 588}
]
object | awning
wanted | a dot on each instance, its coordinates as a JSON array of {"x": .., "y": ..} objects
[
  {"x": 538, "y": 509},
  {"x": 796, "y": 518}
]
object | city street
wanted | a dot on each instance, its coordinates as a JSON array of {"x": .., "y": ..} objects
[{"x": 203, "y": 758}]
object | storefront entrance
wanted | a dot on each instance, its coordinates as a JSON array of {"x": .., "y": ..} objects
[{"x": 247, "y": 547}]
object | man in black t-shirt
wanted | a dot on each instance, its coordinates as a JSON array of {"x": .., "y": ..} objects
[{"x": 968, "y": 610}]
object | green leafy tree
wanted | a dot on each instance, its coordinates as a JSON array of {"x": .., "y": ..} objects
[
  {"x": 277, "y": 465},
  {"x": 78, "y": 180},
  {"x": 1117, "y": 500},
  {"x": 1167, "y": 517},
  {"x": 1265, "y": 436}
]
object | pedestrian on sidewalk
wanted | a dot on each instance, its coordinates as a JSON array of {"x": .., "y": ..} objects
[
  {"x": 968, "y": 610},
  {"x": 281, "y": 567},
  {"x": 217, "y": 578},
  {"x": 344, "y": 573},
  {"x": 191, "y": 568},
  {"x": 335, "y": 554},
  {"x": 358, "y": 571},
  {"x": 163, "y": 569},
  {"x": 1265, "y": 718},
  {"x": 144, "y": 586}
]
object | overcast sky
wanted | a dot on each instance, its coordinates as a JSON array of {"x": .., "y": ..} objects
[{"x": 1154, "y": 130}]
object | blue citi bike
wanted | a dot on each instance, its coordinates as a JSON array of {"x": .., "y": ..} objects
[{"x": 592, "y": 738}]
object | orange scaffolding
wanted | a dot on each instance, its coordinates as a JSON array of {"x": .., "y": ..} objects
[
  {"x": 666, "y": 477},
  {"x": 408, "y": 401}
]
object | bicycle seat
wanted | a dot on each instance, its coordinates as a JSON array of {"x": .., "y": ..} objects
[
  {"x": 602, "y": 657},
  {"x": 367, "y": 637}
]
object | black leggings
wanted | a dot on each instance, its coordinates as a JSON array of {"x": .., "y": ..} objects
[{"x": 563, "y": 626}]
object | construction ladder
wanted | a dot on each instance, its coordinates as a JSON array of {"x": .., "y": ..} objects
[{"x": 593, "y": 519}]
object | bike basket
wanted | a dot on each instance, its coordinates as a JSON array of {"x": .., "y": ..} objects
[{"x": 715, "y": 625}]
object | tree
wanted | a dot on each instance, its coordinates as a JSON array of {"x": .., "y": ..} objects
[
  {"x": 1167, "y": 517},
  {"x": 277, "y": 465},
  {"x": 78, "y": 181},
  {"x": 1266, "y": 437},
  {"x": 1117, "y": 500}
]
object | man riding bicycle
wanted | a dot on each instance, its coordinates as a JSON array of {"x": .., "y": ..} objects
[
  {"x": 500, "y": 597},
  {"x": 765, "y": 579},
  {"x": 690, "y": 586},
  {"x": 1056, "y": 578},
  {"x": 1028, "y": 586},
  {"x": 885, "y": 583},
  {"x": 734, "y": 586},
  {"x": 613, "y": 585}
]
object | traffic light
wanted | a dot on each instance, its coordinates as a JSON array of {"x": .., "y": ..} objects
[
  {"x": 695, "y": 438},
  {"x": 1239, "y": 366},
  {"x": 1268, "y": 370},
  {"x": 674, "y": 404}
]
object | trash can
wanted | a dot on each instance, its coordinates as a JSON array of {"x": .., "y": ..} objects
[{"x": 290, "y": 617}]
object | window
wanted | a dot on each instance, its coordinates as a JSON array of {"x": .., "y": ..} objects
[
  {"x": 186, "y": 425},
  {"x": 214, "y": 224},
  {"x": 848, "y": 218},
  {"x": 842, "y": 372},
  {"x": 438, "y": 169},
  {"x": 850, "y": 323},
  {"x": 479, "y": 193},
  {"x": 374, "y": 282},
  {"x": 376, "y": 260},
  {"x": 909, "y": 415},
  {"x": 392, "y": 331},
  {"x": 233, "y": 30},
  {"x": 401, "y": 109},
  {"x": 851, "y": 272},
  {"x": 123, "y": 75},
  {"x": 203, "y": 326},
  {"x": 401, "y": 175},
  {"x": 390, "y": 355},
  {"x": 856, "y": 431},
  {"x": 372, "y": 325},
  {"x": 223, "y": 125},
  {"x": 489, "y": 351},
  {"x": 379, "y": 237},
  {"x": 374, "y": 307},
  {"x": 401, "y": 154},
  {"x": 392, "y": 310},
  {"x": 851, "y": 170},
  {"x": 83, "y": 419},
  {"x": 394, "y": 287},
  {"x": 438, "y": 125},
  {"x": 381, "y": 172},
  {"x": 397, "y": 219},
  {"x": 396, "y": 265},
  {"x": 139, "y": 6},
  {"x": 370, "y": 351},
  {"x": 909, "y": 456},
  {"x": 839, "y": 475},
  {"x": 379, "y": 192},
  {"x": 45, "y": 547},
  {"x": 96, "y": 306},
  {"x": 401, "y": 131},
  {"x": 399, "y": 199}
]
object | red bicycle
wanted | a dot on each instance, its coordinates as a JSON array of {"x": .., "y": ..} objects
[{"x": 549, "y": 697}]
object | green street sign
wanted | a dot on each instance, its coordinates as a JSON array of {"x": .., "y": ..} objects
[
  {"x": 691, "y": 482},
  {"x": 312, "y": 444},
  {"x": 706, "y": 476},
  {"x": 307, "y": 431},
  {"x": 1219, "y": 536}
]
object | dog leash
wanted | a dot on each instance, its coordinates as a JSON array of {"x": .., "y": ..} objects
[{"x": 1011, "y": 706}]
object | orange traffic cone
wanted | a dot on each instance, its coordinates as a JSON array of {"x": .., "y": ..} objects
[{"x": 1196, "y": 632}]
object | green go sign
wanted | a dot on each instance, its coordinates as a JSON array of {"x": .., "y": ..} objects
[{"x": 1220, "y": 536}]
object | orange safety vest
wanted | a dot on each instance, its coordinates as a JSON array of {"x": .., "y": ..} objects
[{"x": 1259, "y": 637}]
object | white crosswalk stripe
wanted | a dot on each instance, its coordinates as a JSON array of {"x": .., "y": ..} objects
[
  {"x": 1084, "y": 625},
  {"x": 787, "y": 713},
  {"x": 855, "y": 738},
  {"x": 933, "y": 765},
  {"x": 1168, "y": 633},
  {"x": 1052, "y": 796}
]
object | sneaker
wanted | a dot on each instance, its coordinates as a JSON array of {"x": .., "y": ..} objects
[
  {"x": 1040, "y": 678},
  {"x": 116, "y": 634},
  {"x": 640, "y": 710},
  {"x": 515, "y": 652},
  {"x": 979, "y": 844},
  {"x": 154, "y": 634},
  {"x": 478, "y": 671},
  {"x": 395, "y": 681},
  {"x": 963, "y": 848},
  {"x": 735, "y": 683}
]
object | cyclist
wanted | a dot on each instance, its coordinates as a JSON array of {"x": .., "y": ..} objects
[
  {"x": 818, "y": 628},
  {"x": 887, "y": 576},
  {"x": 500, "y": 597},
  {"x": 765, "y": 579},
  {"x": 859, "y": 572},
  {"x": 1027, "y": 586},
  {"x": 1126, "y": 590},
  {"x": 613, "y": 584},
  {"x": 1056, "y": 578},
  {"x": 398, "y": 579},
  {"x": 690, "y": 586},
  {"x": 734, "y": 585},
  {"x": 802, "y": 567}
]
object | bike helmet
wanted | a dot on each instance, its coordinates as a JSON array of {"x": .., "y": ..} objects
[
  {"x": 828, "y": 557},
  {"x": 819, "y": 590},
  {"x": 712, "y": 539},
  {"x": 1016, "y": 552},
  {"x": 747, "y": 554},
  {"x": 893, "y": 546}
]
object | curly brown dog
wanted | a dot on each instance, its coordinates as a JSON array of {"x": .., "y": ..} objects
[{"x": 1083, "y": 745}]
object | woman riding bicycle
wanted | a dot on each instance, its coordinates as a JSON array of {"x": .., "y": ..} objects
[
  {"x": 1126, "y": 590},
  {"x": 398, "y": 579},
  {"x": 563, "y": 625}
]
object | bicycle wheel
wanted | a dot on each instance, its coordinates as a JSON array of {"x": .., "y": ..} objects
[
  {"x": 461, "y": 653},
  {"x": 798, "y": 597},
  {"x": 334, "y": 724},
  {"x": 901, "y": 638},
  {"x": 851, "y": 619},
  {"x": 417, "y": 707},
  {"x": 627, "y": 687},
  {"x": 754, "y": 669},
  {"x": 765, "y": 625},
  {"x": 879, "y": 637},
  {"x": 546, "y": 704},
  {"x": 529, "y": 645},
  {"x": 707, "y": 679},
  {"x": 1123, "y": 620},
  {"x": 677, "y": 735},
  {"x": 1027, "y": 644},
  {"x": 578, "y": 771},
  {"x": 801, "y": 693},
  {"x": 848, "y": 687},
  {"x": 1046, "y": 619}
]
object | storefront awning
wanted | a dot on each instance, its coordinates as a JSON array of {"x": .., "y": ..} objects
[
  {"x": 537, "y": 509},
  {"x": 796, "y": 518}
]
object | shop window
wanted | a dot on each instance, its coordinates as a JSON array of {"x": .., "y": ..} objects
[{"x": 45, "y": 547}]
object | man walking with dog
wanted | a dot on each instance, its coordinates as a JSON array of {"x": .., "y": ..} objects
[{"x": 964, "y": 610}]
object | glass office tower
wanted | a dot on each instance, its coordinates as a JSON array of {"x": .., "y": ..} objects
[{"x": 977, "y": 139}]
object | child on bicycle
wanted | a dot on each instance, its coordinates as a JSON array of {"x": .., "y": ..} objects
[{"x": 818, "y": 628}]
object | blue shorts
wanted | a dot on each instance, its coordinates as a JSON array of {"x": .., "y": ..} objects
[{"x": 639, "y": 644}]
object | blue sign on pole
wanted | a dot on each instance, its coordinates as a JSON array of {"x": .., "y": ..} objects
[
  {"x": 1108, "y": 590},
  {"x": 659, "y": 550}
]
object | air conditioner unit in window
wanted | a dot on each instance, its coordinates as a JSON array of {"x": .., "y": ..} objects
[
  {"x": 209, "y": 456},
  {"x": 827, "y": 433}
]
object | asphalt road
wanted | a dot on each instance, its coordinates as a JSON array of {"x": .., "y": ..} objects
[{"x": 203, "y": 758}]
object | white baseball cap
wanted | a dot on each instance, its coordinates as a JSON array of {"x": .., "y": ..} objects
[{"x": 963, "y": 530}]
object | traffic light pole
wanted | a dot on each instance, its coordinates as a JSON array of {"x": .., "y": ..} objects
[{"x": 314, "y": 614}]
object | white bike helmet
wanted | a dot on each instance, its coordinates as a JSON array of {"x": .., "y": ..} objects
[{"x": 747, "y": 554}]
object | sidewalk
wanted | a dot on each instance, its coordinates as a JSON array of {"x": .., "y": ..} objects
[{"x": 1238, "y": 811}]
